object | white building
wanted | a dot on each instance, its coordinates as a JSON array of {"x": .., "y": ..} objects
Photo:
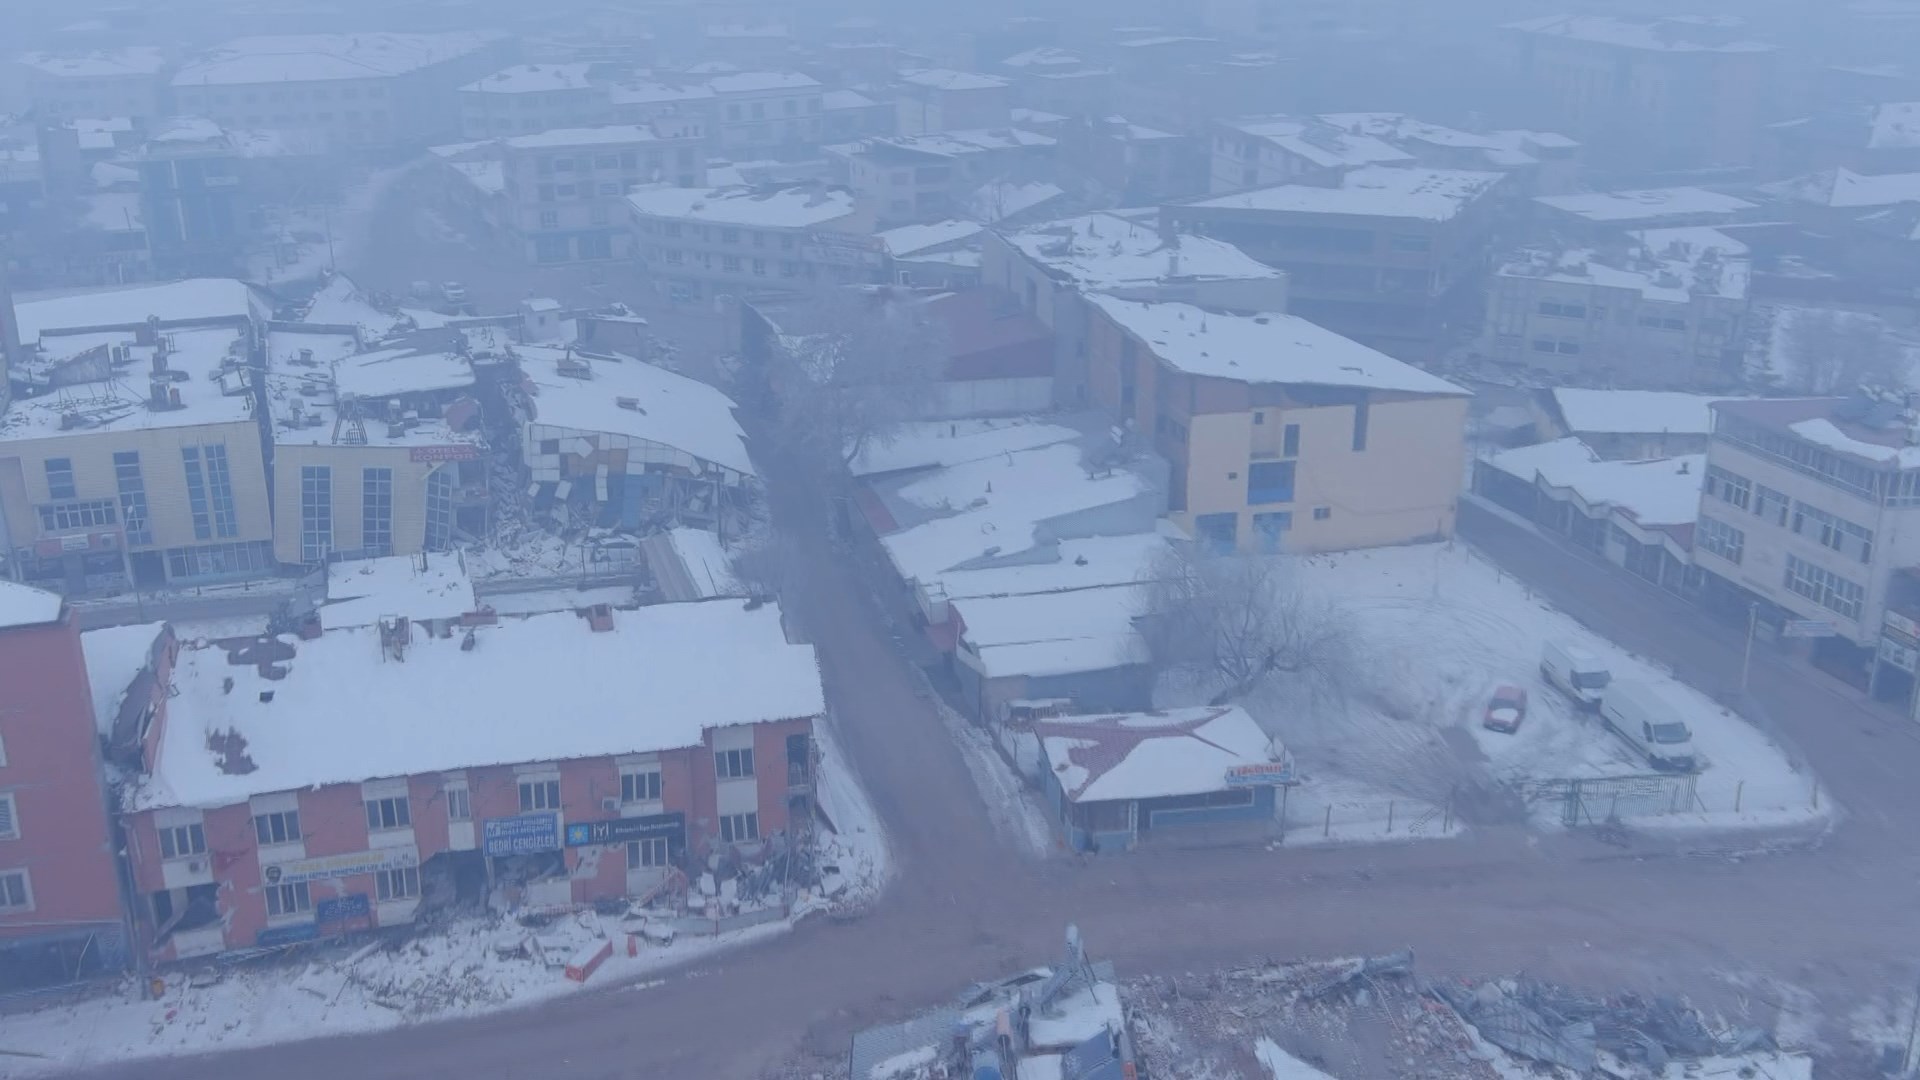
[
  {"x": 715, "y": 241},
  {"x": 766, "y": 113},
  {"x": 566, "y": 187},
  {"x": 527, "y": 98},
  {"x": 110, "y": 82},
  {"x": 1258, "y": 152}
]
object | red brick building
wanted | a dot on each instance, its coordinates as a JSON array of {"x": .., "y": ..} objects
[
  {"x": 60, "y": 898},
  {"x": 295, "y": 791}
]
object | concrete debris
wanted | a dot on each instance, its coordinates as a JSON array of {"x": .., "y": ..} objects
[{"x": 1563, "y": 1027}]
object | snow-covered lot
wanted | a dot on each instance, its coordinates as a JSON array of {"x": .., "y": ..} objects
[{"x": 1437, "y": 628}]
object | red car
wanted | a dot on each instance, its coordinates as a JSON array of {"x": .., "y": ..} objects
[{"x": 1505, "y": 709}]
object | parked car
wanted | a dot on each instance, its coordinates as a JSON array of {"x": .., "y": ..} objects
[
  {"x": 1650, "y": 724},
  {"x": 1576, "y": 670},
  {"x": 453, "y": 293},
  {"x": 1505, "y": 709}
]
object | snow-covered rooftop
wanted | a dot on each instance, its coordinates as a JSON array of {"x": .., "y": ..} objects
[
  {"x": 538, "y": 689},
  {"x": 1894, "y": 126},
  {"x": 310, "y": 371},
  {"x": 378, "y": 375},
  {"x": 1055, "y": 633},
  {"x": 1152, "y": 755},
  {"x": 1683, "y": 33},
  {"x": 960, "y": 143},
  {"x": 189, "y": 300},
  {"x": 1664, "y": 491},
  {"x": 845, "y": 99},
  {"x": 1645, "y": 204},
  {"x": 1003, "y": 199},
  {"x": 762, "y": 82},
  {"x": 207, "y": 366},
  {"x": 1643, "y": 412},
  {"x": 1045, "y": 56},
  {"x": 606, "y": 135},
  {"x": 945, "y": 79},
  {"x": 908, "y": 239},
  {"x": 638, "y": 400},
  {"x": 341, "y": 303},
  {"x": 941, "y": 443},
  {"x": 1103, "y": 251},
  {"x": 115, "y": 655},
  {"x": 1090, "y": 562},
  {"x": 24, "y": 605},
  {"x": 653, "y": 93},
  {"x": 1842, "y": 188},
  {"x": 1669, "y": 265},
  {"x": 324, "y": 57},
  {"x": 430, "y": 585},
  {"x": 134, "y": 60},
  {"x": 113, "y": 211},
  {"x": 1271, "y": 348},
  {"x": 533, "y": 79},
  {"x": 1372, "y": 191},
  {"x": 1394, "y": 126},
  {"x": 705, "y": 559},
  {"x": 797, "y": 207},
  {"x": 1321, "y": 143}
]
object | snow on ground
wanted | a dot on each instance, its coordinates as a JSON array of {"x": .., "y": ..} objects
[
  {"x": 541, "y": 601},
  {"x": 232, "y": 626},
  {"x": 453, "y": 973},
  {"x": 1014, "y": 808},
  {"x": 1326, "y": 808},
  {"x": 1437, "y": 628},
  {"x": 858, "y": 844}
]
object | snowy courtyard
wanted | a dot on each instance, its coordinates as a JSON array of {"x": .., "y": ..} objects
[{"x": 1437, "y": 628}]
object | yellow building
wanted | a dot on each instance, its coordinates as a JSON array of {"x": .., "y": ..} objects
[
  {"x": 1282, "y": 435},
  {"x": 138, "y": 454},
  {"x": 374, "y": 453}
]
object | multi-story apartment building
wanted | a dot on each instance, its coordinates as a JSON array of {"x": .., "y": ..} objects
[
  {"x": 1666, "y": 308},
  {"x": 526, "y": 98},
  {"x": 283, "y": 802},
  {"x": 766, "y": 114},
  {"x": 354, "y": 90},
  {"x": 1260, "y": 152},
  {"x": 1283, "y": 436},
  {"x": 1663, "y": 92},
  {"x": 1381, "y": 254},
  {"x": 1050, "y": 269},
  {"x": 937, "y": 99},
  {"x": 134, "y": 450},
  {"x": 60, "y": 896},
  {"x": 115, "y": 82},
  {"x": 644, "y": 102},
  {"x": 718, "y": 241},
  {"x": 908, "y": 178},
  {"x": 374, "y": 453},
  {"x": 1808, "y": 508},
  {"x": 848, "y": 115},
  {"x": 194, "y": 199},
  {"x": 564, "y": 188}
]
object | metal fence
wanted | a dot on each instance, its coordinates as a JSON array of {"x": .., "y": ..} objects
[{"x": 1596, "y": 800}]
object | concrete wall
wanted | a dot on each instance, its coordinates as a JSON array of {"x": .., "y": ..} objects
[{"x": 348, "y": 464}]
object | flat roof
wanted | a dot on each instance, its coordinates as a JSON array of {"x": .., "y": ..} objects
[
  {"x": 24, "y": 605},
  {"x": 1843, "y": 189},
  {"x": 1640, "y": 412},
  {"x": 132, "y": 60},
  {"x": 1270, "y": 348},
  {"x": 947, "y": 79},
  {"x": 666, "y": 409},
  {"x": 430, "y": 585},
  {"x": 1684, "y": 33},
  {"x": 926, "y": 444},
  {"x": 1670, "y": 265},
  {"x": 1089, "y": 562},
  {"x": 533, "y": 79},
  {"x": 647, "y": 93},
  {"x": 908, "y": 239},
  {"x": 760, "y": 82},
  {"x": 325, "y": 57},
  {"x": 1662, "y": 491},
  {"x": 197, "y": 358},
  {"x": 606, "y": 135},
  {"x": 1371, "y": 191},
  {"x": 308, "y": 372},
  {"x": 1644, "y": 204},
  {"x": 188, "y": 300},
  {"x": 1320, "y": 142},
  {"x": 539, "y": 689},
  {"x": 796, "y": 207},
  {"x": 1125, "y": 756},
  {"x": 1056, "y": 633},
  {"x": 1104, "y": 251}
]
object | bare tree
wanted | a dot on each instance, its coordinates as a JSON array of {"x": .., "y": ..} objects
[
  {"x": 868, "y": 363},
  {"x": 1240, "y": 620},
  {"x": 1834, "y": 352}
]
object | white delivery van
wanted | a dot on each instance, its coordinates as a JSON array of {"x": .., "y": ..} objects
[
  {"x": 1576, "y": 670},
  {"x": 1650, "y": 724}
]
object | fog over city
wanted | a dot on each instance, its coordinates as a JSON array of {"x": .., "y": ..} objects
[{"x": 828, "y": 540}]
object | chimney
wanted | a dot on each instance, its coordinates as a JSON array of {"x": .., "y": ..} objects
[
  {"x": 159, "y": 361},
  {"x": 600, "y": 618}
]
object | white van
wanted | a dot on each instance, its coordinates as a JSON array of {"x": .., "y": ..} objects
[
  {"x": 1576, "y": 670},
  {"x": 1650, "y": 724}
]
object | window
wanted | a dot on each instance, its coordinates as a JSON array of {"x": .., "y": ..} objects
[
  {"x": 440, "y": 509},
  {"x": 648, "y": 853},
  {"x": 539, "y": 795},
  {"x": 16, "y": 893},
  {"x": 133, "y": 497},
  {"x": 1322, "y": 513},
  {"x": 566, "y": 191},
  {"x": 376, "y": 511},
  {"x": 398, "y": 884},
  {"x": 1722, "y": 539},
  {"x": 1823, "y": 587},
  {"x": 760, "y": 267},
  {"x": 85, "y": 514},
  {"x": 610, "y": 187},
  {"x": 1728, "y": 488},
  {"x": 1218, "y": 533},
  {"x": 288, "y": 899},
  {"x": 730, "y": 263},
  {"x": 640, "y": 786},
  {"x": 280, "y": 828},
  {"x": 733, "y": 764},
  {"x": 563, "y": 165},
  {"x": 675, "y": 256},
  {"x": 1270, "y": 530},
  {"x": 316, "y": 513},
  {"x": 9, "y": 818},
  {"x": 606, "y": 161},
  {"x": 729, "y": 236},
  {"x": 1360, "y": 427},
  {"x": 545, "y": 192},
  {"x": 226, "y": 523},
  {"x": 1563, "y": 311},
  {"x": 459, "y": 806},
  {"x": 60, "y": 479},
  {"x": 384, "y": 814},
  {"x": 1405, "y": 242},
  {"x": 182, "y": 841},
  {"x": 1290, "y": 441},
  {"x": 197, "y": 493},
  {"x": 739, "y": 828},
  {"x": 1269, "y": 482},
  {"x": 1770, "y": 504},
  {"x": 1834, "y": 532}
]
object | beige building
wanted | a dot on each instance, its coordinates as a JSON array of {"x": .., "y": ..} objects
[
  {"x": 938, "y": 99},
  {"x": 1283, "y": 436},
  {"x": 765, "y": 114},
  {"x": 374, "y": 453},
  {"x": 1662, "y": 308},
  {"x": 526, "y": 98},
  {"x": 734, "y": 240},
  {"x": 1808, "y": 507},
  {"x": 111, "y": 82},
  {"x": 565, "y": 189}
]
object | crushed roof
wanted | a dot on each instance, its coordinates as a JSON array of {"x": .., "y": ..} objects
[
  {"x": 115, "y": 657},
  {"x": 668, "y": 410},
  {"x": 796, "y": 207}
]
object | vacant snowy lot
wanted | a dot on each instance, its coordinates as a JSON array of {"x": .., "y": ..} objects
[{"x": 1436, "y": 628}]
